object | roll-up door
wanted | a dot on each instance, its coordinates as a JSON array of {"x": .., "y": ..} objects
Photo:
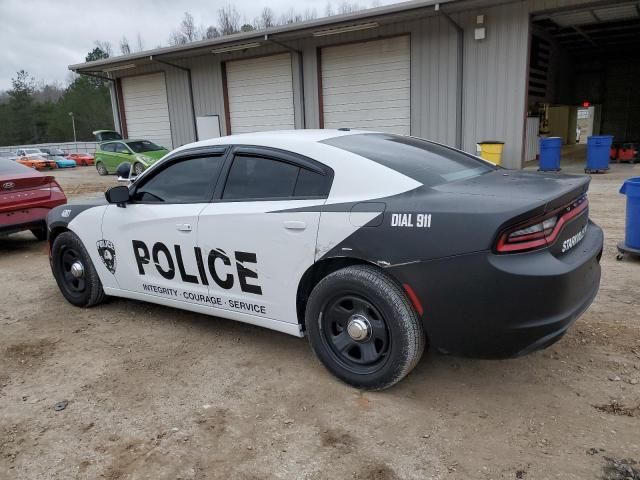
[
  {"x": 367, "y": 85},
  {"x": 260, "y": 94},
  {"x": 146, "y": 110}
]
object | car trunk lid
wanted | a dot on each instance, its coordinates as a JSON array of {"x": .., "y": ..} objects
[
  {"x": 531, "y": 197},
  {"x": 24, "y": 189},
  {"x": 106, "y": 135}
]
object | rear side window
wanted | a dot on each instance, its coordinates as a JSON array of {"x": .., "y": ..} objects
[
  {"x": 187, "y": 181},
  {"x": 426, "y": 162},
  {"x": 312, "y": 184},
  {"x": 255, "y": 177},
  {"x": 108, "y": 147}
]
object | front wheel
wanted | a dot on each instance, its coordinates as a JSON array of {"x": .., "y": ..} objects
[
  {"x": 362, "y": 327},
  {"x": 138, "y": 168},
  {"x": 74, "y": 271},
  {"x": 102, "y": 170}
]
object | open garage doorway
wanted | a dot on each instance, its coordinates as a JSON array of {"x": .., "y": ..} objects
[{"x": 584, "y": 68}]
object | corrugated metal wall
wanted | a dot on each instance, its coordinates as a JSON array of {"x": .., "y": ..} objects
[
  {"x": 433, "y": 75},
  {"x": 495, "y": 72}
]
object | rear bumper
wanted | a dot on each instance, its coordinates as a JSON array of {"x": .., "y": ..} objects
[
  {"x": 26, "y": 219},
  {"x": 495, "y": 306},
  {"x": 29, "y": 217}
]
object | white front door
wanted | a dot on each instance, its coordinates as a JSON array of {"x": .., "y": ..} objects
[
  {"x": 154, "y": 238},
  {"x": 260, "y": 237}
]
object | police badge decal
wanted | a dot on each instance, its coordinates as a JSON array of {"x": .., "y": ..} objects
[{"x": 107, "y": 253}]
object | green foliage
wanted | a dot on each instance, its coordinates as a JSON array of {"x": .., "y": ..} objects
[{"x": 25, "y": 121}]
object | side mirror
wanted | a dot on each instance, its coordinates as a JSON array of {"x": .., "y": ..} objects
[{"x": 118, "y": 195}]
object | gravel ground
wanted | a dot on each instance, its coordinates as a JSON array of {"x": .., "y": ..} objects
[{"x": 160, "y": 393}]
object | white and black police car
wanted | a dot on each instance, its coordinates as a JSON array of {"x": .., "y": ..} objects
[{"x": 372, "y": 245}]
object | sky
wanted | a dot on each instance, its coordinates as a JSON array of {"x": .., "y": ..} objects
[{"x": 44, "y": 37}]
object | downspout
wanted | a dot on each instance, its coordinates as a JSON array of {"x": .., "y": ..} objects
[
  {"x": 460, "y": 79},
  {"x": 300, "y": 74},
  {"x": 115, "y": 90},
  {"x": 188, "y": 70}
]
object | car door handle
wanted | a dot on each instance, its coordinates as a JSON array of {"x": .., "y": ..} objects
[
  {"x": 184, "y": 227},
  {"x": 294, "y": 225}
]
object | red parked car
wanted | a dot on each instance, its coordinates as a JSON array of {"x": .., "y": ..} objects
[
  {"x": 26, "y": 196},
  {"x": 82, "y": 159}
]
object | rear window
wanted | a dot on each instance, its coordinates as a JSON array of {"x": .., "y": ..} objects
[
  {"x": 9, "y": 167},
  {"x": 143, "y": 146},
  {"x": 426, "y": 162}
]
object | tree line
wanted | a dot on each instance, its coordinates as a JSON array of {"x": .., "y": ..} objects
[{"x": 33, "y": 112}]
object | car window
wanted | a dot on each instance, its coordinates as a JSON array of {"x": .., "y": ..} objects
[
  {"x": 429, "y": 163},
  {"x": 121, "y": 148},
  {"x": 254, "y": 177},
  {"x": 140, "y": 146},
  {"x": 108, "y": 147},
  {"x": 186, "y": 181},
  {"x": 312, "y": 184}
]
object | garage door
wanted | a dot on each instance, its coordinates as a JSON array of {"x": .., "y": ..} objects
[
  {"x": 367, "y": 85},
  {"x": 260, "y": 93},
  {"x": 146, "y": 110}
]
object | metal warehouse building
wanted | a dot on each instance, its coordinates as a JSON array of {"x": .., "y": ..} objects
[{"x": 457, "y": 72}]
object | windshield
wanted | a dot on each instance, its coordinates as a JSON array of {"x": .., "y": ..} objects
[
  {"x": 56, "y": 151},
  {"x": 429, "y": 163},
  {"x": 140, "y": 146},
  {"x": 31, "y": 151}
]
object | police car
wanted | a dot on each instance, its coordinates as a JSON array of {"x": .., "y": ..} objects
[{"x": 372, "y": 245}]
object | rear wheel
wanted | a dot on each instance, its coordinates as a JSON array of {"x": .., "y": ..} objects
[
  {"x": 39, "y": 233},
  {"x": 74, "y": 271},
  {"x": 363, "y": 329},
  {"x": 102, "y": 170}
]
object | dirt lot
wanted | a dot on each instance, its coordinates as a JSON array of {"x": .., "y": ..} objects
[{"x": 164, "y": 394}]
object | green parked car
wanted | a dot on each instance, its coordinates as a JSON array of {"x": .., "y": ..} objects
[{"x": 140, "y": 153}]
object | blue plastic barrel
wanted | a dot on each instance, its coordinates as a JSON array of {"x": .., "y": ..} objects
[
  {"x": 631, "y": 188},
  {"x": 598, "y": 150},
  {"x": 550, "y": 153}
]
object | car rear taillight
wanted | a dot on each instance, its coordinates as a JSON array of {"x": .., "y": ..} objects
[
  {"x": 55, "y": 187},
  {"x": 541, "y": 231}
]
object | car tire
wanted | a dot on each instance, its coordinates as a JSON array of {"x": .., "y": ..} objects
[
  {"x": 39, "y": 233},
  {"x": 102, "y": 170},
  {"x": 138, "y": 168},
  {"x": 81, "y": 291},
  {"x": 362, "y": 301}
]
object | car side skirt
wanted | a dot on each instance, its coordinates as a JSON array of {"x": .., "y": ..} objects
[{"x": 294, "y": 329}]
